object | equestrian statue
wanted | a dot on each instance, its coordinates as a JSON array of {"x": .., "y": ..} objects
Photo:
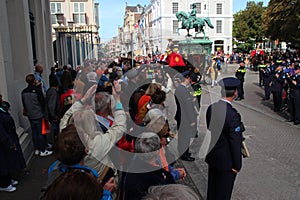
[{"x": 191, "y": 21}]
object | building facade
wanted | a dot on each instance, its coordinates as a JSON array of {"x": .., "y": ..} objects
[
  {"x": 131, "y": 24},
  {"x": 75, "y": 25},
  {"x": 25, "y": 39},
  {"x": 158, "y": 25}
]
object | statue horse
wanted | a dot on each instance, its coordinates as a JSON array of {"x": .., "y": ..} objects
[{"x": 193, "y": 23}]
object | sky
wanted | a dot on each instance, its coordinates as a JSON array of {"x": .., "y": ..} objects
[{"x": 112, "y": 13}]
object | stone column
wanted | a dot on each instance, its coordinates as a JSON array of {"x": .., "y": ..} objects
[
  {"x": 43, "y": 34},
  {"x": 16, "y": 52},
  {"x": 16, "y": 55},
  {"x": 16, "y": 61}
]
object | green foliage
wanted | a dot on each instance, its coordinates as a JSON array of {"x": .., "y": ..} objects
[
  {"x": 247, "y": 26},
  {"x": 282, "y": 21}
]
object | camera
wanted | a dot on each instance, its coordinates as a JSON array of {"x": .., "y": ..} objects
[{"x": 168, "y": 139}]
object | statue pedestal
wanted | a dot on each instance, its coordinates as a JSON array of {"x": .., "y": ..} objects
[
  {"x": 197, "y": 51},
  {"x": 195, "y": 46}
]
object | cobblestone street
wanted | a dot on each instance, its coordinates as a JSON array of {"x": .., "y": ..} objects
[{"x": 272, "y": 171}]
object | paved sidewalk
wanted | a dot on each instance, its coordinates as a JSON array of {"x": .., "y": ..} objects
[
  {"x": 31, "y": 180},
  {"x": 34, "y": 177}
]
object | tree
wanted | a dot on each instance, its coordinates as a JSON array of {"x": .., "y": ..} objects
[
  {"x": 247, "y": 26},
  {"x": 282, "y": 21}
]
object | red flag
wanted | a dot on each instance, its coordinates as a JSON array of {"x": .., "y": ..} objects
[
  {"x": 136, "y": 25},
  {"x": 262, "y": 52},
  {"x": 174, "y": 60},
  {"x": 253, "y": 53}
]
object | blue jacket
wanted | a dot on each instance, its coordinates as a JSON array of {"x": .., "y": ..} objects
[
  {"x": 39, "y": 77},
  {"x": 61, "y": 168},
  {"x": 226, "y": 128}
]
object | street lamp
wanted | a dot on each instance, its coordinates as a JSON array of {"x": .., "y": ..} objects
[
  {"x": 70, "y": 25},
  {"x": 59, "y": 18}
]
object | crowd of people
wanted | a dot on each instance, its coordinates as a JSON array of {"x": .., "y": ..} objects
[
  {"x": 279, "y": 76},
  {"x": 111, "y": 125},
  {"x": 108, "y": 121}
]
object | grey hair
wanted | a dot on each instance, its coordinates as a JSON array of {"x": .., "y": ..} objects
[
  {"x": 153, "y": 115},
  {"x": 102, "y": 101},
  {"x": 91, "y": 76},
  {"x": 155, "y": 120},
  {"x": 147, "y": 144},
  {"x": 171, "y": 192}
]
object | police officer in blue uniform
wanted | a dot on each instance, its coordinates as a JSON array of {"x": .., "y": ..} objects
[
  {"x": 269, "y": 72},
  {"x": 262, "y": 68},
  {"x": 224, "y": 158},
  {"x": 294, "y": 83},
  {"x": 277, "y": 82},
  {"x": 240, "y": 74}
]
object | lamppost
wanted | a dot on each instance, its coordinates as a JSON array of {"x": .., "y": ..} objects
[{"x": 59, "y": 19}]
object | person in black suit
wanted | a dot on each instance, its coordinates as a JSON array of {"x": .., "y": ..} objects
[
  {"x": 224, "y": 158},
  {"x": 186, "y": 116}
]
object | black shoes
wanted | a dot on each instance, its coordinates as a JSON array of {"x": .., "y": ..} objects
[
  {"x": 187, "y": 158},
  {"x": 239, "y": 98},
  {"x": 265, "y": 99},
  {"x": 295, "y": 123}
]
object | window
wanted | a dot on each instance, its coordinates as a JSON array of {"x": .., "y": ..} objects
[
  {"x": 204, "y": 6},
  {"x": 219, "y": 8},
  {"x": 175, "y": 7},
  {"x": 219, "y": 45},
  {"x": 219, "y": 26},
  {"x": 55, "y": 8},
  {"x": 198, "y": 7},
  {"x": 79, "y": 14},
  {"x": 175, "y": 26}
]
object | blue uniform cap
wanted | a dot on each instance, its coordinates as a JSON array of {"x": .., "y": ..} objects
[{"x": 229, "y": 83}]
